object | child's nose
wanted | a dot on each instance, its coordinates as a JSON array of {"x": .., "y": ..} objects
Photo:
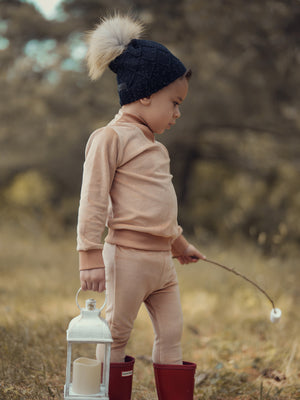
[{"x": 177, "y": 112}]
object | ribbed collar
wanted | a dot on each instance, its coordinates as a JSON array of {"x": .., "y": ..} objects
[{"x": 126, "y": 117}]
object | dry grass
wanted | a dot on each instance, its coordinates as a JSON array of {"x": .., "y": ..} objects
[{"x": 239, "y": 353}]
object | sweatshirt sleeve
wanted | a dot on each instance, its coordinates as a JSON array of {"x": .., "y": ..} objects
[{"x": 98, "y": 172}]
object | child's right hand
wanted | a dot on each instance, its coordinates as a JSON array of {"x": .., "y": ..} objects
[{"x": 93, "y": 279}]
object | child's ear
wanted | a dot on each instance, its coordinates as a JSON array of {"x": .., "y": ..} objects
[{"x": 145, "y": 101}]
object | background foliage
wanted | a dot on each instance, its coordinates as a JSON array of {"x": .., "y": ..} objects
[{"x": 235, "y": 151}]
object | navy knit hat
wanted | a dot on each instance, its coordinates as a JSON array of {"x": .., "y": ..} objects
[{"x": 143, "y": 67}]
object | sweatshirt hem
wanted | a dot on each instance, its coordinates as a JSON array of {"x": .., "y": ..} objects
[{"x": 138, "y": 240}]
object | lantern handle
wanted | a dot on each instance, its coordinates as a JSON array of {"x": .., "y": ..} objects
[{"x": 80, "y": 308}]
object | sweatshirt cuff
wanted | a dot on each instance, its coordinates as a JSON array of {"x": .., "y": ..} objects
[
  {"x": 90, "y": 259},
  {"x": 179, "y": 246}
]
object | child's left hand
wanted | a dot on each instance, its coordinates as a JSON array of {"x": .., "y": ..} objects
[{"x": 190, "y": 255}]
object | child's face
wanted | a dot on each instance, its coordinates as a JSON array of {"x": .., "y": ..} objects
[{"x": 162, "y": 109}]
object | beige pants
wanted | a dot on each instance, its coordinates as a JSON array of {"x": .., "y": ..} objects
[{"x": 137, "y": 276}]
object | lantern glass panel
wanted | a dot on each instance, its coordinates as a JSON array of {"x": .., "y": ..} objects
[{"x": 87, "y": 350}]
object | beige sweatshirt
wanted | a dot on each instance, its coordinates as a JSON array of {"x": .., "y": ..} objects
[{"x": 126, "y": 186}]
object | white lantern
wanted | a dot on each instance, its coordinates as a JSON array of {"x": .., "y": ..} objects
[{"x": 90, "y": 377}]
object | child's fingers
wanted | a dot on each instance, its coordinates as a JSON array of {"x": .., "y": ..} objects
[
  {"x": 83, "y": 285},
  {"x": 101, "y": 287},
  {"x": 93, "y": 279},
  {"x": 184, "y": 259}
]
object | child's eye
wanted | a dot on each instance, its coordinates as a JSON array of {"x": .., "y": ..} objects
[{"x": 175, "y": 103}]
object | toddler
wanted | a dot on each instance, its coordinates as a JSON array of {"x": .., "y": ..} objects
[{"x": 127, "y": 186}]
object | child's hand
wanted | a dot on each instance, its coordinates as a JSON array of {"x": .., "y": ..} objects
[
  {"x": 191, "y": 254},
  {"x": 93, "y": 279}
]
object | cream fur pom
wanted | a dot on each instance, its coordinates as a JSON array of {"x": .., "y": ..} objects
[{"x": 108, "y": 40}]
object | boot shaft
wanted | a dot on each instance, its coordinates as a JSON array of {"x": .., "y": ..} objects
[
  {"x": 175, "y": 382},
  {"x": 120, "y": 379}
]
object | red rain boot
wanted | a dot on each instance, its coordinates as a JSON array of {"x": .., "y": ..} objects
[
  {"x": 120, "y": 379},
  {"x": 175, "y": 382}
]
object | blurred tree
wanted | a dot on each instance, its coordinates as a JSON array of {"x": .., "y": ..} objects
[{"x": 235, "y": 152}]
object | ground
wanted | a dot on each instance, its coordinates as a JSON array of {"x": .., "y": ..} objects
[{"x": 240, "y": 354}]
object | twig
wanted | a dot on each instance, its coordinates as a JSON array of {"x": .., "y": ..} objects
[
  {"x": 292, "y": 356},
  {"x": 238, "y": 274},
  {"x": 242, "y": 276},
  {"x": 261, "y": 390}
]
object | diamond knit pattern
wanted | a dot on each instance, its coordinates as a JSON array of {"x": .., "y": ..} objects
[{"x": 144, "y": 68}]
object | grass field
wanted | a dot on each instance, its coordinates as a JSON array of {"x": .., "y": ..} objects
[{"x": 239, "y": 353}]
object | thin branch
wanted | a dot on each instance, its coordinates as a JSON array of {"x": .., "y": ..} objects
[{"x": 244, "y": 277}]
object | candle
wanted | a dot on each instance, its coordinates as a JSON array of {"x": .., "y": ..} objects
[{"x": 86, "y": 376}]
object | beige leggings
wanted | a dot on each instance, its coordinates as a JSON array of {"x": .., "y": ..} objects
[{"x": 137, "y": 276}]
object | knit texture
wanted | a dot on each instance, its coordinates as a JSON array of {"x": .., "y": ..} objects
[{"x": 144, "y": 68}]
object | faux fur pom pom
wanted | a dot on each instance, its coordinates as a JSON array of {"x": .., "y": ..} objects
[{"x": 108, "y": 40}]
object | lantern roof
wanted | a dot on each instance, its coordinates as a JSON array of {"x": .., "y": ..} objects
[{"x": 89, "y": 327}]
